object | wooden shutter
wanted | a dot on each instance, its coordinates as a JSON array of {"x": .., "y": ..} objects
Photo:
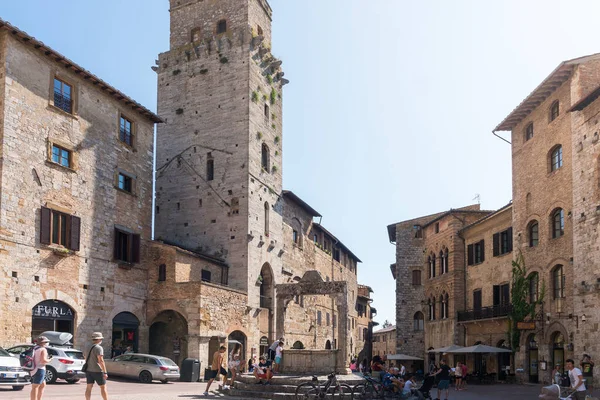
[
  {"x": 482, "y": 244},
  {"x": 45, "y": 225},
  {"x": 116, "y": 252},
  {"x": 496, "y": 244},
  {"x": 477, "y": 299},
  {"x": 135, "y": 248},
  {"x": 470, "y": 254},
  {"x": 496, "y": 295},
  {"x": 505, "y": 294},
  {"x": 510, "y": 239},
  {"x": 74, "y": 233}
]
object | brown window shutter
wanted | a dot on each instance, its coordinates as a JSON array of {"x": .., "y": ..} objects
[
  {"x": 470, "y": 257},
  {"x": 116, "y": 252},
  {"x": 135, "y": 248},
  {"x": 74, "y": 233},
  {"x": 496, "y": 244},
  {"x": 510, "y": 239},
  {"x": 482, "y": 244},
  {"x": 45, "y": 221}
]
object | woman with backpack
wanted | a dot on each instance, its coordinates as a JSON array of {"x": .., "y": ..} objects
[{"x": 39, "y": 359}]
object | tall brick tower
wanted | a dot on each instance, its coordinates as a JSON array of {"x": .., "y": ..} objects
[{"x": 219, "y": 152}]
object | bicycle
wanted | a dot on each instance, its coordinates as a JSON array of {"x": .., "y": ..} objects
[
  {"x": 370, "y": 389},
  {"x": 331, "y": 388}
]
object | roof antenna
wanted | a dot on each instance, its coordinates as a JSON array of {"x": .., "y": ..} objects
[{"x": 478, "y": 198}]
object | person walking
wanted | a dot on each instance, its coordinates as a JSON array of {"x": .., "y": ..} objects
[
  {"x": 444, "y": 382},
  {"x": 576, "y": 378},
  {"x": 458, "y": 376},
  {"x": 216, "y": 368},
  {"x": 96, "y": 369},
  {"x": 235, "y": 362},
  {"x": 587, "y": 370},
  {"x": 38, "y": 374}
]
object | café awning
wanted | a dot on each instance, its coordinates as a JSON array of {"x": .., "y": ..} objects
[
  {"x": 403, "y": 357},
  {"x": 480, "y": 348},
  {"x": 447, "y": 349}
]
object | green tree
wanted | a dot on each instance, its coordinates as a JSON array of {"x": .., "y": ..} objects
[
  {"x": 386, "y": 324},
  {"x": 519, "y": 294}
]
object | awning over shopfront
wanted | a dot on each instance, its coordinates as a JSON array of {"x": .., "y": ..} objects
[
  {"x": 480, "y": 348},
  {"x": 447, "y": 349},
  {"x": 403, "y": 357}
]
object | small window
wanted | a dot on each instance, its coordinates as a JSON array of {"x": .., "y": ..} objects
[
  {"x": 265, "y": 157},
  {"x": 554, "y": 111},
  {"x": 126, "y": 131},
  {"x": 125, "y": 183},
  {"x": 419, "y": 321},
  {"x": 558, "y": 282},
  {"x": 418, "y": 231},
  {"x": 210, "y": 169},
  {"x": 63, "y": 96},
  {"x": 162, "y": 273},
  {"x": 529, "y": 131},
  {"x": 476, "y": 253},
  {"x": 327, "y": 318},
  {"x": 501, "y": 295},
  {"x": 60, "y": 229},
  {"x": 431, "y": 305},
  {"x": 534, "y": 235},
  {"x": 556, "y": 158},
  {"x": 558, "y": 223},
  {"x": 127, "y": 247},
  {"x": 315, "y": 238},
  {"x": 416, "y": 277},
  {"x": 61, "y": 156},
  {"x": 221, "y": 26},
  {"x": 206, "y": 275},
  {"x": 431, "y": 262},
  {"x": 259, "y": 30},
  {"x": 267, "y": 114},
  {"x": 319, "y": 318},
  {"x": 266, "y": 219},
  {"x": 295, "y": 236},
  {"x": 336, "y": 255},
  {"x": 534, "y": 283},
  {"x": 437, "y": 227}
]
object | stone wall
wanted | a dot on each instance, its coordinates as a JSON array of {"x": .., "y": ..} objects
[{"x": 88, "y": 280}]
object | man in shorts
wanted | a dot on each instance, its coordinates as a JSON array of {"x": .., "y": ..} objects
[
  {"x": 96, "y": 369},
  {"x": 217, "y": 368},
  {"x": 444, "y": 379}
]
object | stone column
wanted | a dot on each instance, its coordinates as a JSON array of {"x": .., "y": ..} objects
[
  {"x": 343, "y": 334},
  {"x": 280, "y": 316},
  {"x": 143, "y": 339}
]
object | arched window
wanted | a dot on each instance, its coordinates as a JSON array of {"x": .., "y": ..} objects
[
  {"x": 534, "y": 282},
  {"x": 432, "y": 265},
  {"x": 442, "y": 262},
  {"x": 419, "y": 323},
  {"x": 554, "y": 111},
  {"x": 429, "y": 266},
  {"x": 265, "y": 157},
  {"x": 162, "y": 273},
  {"x": 534, "y": 234},
  {"x": 221, "y": 26},
  {"x": 529, "y": 131},
  {"x": 442, "y": 307},
  {"x": 431, "y": 304},
  {"x": 558, "y": 223},
  {"x": 446, "y": 305},
  {"x": 556, "y": 158},
  {"x": 266, "y": 219},
  {"x": 558, "y": 282}
]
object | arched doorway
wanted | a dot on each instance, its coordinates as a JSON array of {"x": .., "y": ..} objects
[
  {"x": 237, "y": 338},
  {"x": 124, "y": 333},
  {"x": 532, "y": 355},
  {"x": 503, "y": 360},
  {"x": 267, "y": 300},
  {"x": 328, "y": 345},
  {"x": 52, "y": 315},
  {"x": 168, "y": 336},
  {"x": 298, "y": 345},
  {"x": 558, "y": 350}
]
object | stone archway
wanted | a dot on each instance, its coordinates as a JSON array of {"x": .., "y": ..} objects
[
  {"x": 312, "y": 284},
  {"x": 52, "y": 315},
  {"x": 168, "y": 335},
  {"x": 125, "y": 332}
]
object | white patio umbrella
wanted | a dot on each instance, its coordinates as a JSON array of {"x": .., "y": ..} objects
[
  {"x": 447, "y": 349},
  {"x": 480, "y": 348},
  {"x": 403, "y": 357}
]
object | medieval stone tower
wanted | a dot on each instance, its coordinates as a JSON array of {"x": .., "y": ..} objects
[{"x": 219, "y": 152}]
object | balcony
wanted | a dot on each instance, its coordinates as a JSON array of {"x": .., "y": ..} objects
[{"x": 485, "y": 313}]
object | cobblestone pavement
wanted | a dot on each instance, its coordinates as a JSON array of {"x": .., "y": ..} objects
[{"x": 127, "y": 390}]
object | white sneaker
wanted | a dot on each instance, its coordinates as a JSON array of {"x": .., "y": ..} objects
[
  {"x": 205, "y": 394},
  {"x": 226, "y": 387}
]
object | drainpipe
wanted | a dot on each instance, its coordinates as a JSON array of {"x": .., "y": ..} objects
[{"x": 500, "y": 137}]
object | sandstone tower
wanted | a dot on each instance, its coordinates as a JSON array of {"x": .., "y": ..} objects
[{"x": 219, "y": 151}]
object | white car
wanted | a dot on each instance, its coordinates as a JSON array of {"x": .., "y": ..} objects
[
  {"x": 65, "y": 362},
  {"x": 11, "y": 372}
]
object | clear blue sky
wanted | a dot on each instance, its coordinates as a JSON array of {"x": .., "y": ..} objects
[{"x": 391, "y": 103}]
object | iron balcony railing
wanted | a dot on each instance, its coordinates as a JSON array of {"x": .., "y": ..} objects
[
  {"x": 485, "y": 313},
  {"x": 63, "y": 102}
]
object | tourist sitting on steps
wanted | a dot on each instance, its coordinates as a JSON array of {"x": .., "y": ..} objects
[{"x": 262, "y": 371}]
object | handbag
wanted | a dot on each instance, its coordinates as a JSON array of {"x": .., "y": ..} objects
[{"x": 84, "y": 367}]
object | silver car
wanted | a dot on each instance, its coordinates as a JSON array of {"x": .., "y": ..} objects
[{"x": 144, "y": 367}]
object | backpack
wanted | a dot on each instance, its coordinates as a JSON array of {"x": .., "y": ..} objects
[{"x": 29, "y": 364}]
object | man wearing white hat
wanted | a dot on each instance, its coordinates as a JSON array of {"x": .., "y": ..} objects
[{"x": 96, "y": 369}]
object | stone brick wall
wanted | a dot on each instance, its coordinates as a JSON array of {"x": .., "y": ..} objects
[{"x": 88, "y": 280}]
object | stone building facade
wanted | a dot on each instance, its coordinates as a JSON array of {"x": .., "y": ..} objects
[
  {"x": 430, "y": 279},
  {"x": 75, "y": 197},
  {"x": 227, "y": 234},
  {"x": 384, "y": 341}
]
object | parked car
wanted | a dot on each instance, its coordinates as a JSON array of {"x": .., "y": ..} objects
[
  {"x": 65, "y": 362},
  {"x": 144, "y": 367},
  {"x": 11, "y": 372}
]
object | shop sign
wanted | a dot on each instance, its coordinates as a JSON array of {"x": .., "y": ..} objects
[
  {"x": 52, "y": 310},
  {"x": 525, "y": 326},
  {"x": 264, "y": 341}
]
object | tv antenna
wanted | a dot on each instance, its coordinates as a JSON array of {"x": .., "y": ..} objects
[{"x": 478, "y": 198}]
